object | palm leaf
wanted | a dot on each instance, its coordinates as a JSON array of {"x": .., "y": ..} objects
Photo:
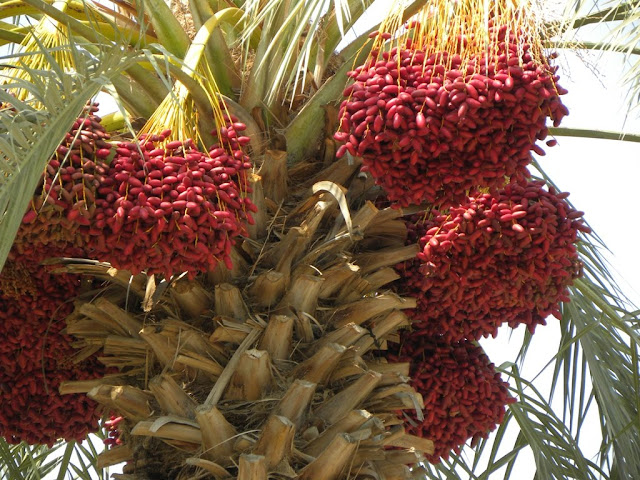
[
  {"x": 589, "y": 133},
  {"x": 217, "y": 52},
  {"x": 170, "y": 33},
  {"x": 297, "y": 41},
  {"x": 622, "y": 37},
  {"x": 65, "y": 460},
  {"x": 556, "y": 453},
  {"x": 610, "y": 345},
  {"x": 153, "y": 86}
]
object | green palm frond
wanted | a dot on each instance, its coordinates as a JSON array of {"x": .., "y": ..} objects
[
  {"x": 297, "y": 40},
  {"x": 590, "y": 133},
  {"x": 617, "y": 30},
  {"x": 63, "y": 461},
  {"x": 609, "y": 338},
  {"x": 25, "y": 462},
  {"x": 47, "y": 34},
  {"x": 579, "y": 13},
  {"x": 555, "y": 450}
]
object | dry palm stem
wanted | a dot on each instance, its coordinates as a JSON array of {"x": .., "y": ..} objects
[
  {"x": 279, "y": 383},
  {"x": 252, "y": 467},
  {"x": 274, "y": 175}
]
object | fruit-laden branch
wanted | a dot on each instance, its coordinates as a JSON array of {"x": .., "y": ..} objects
[{"x": 304, "y": 132}]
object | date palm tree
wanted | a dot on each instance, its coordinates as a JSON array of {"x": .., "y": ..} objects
[{"x": 267, "y": 367}]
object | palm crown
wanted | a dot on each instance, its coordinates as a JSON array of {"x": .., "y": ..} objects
[{"x": 264, "y": 311}]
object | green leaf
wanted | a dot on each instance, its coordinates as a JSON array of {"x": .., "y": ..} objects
[
  {"x": 610, "y": 345},
  {"x": 556, "y": 453},
  {"x": 305, "y": 131},
  {"x": 170, "y": 33},
  {"x": 217, "y": 54},
  {"x": 65, "y": 460},
  {"x": 10, "y": 465},
  {"x": 619, "y": 36},
  {"x": 292, "y": 32},
  {"x": 589, "y": 133}
]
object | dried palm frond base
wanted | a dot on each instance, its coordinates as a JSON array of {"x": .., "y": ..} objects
[{"x": 268, "y": 370}]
